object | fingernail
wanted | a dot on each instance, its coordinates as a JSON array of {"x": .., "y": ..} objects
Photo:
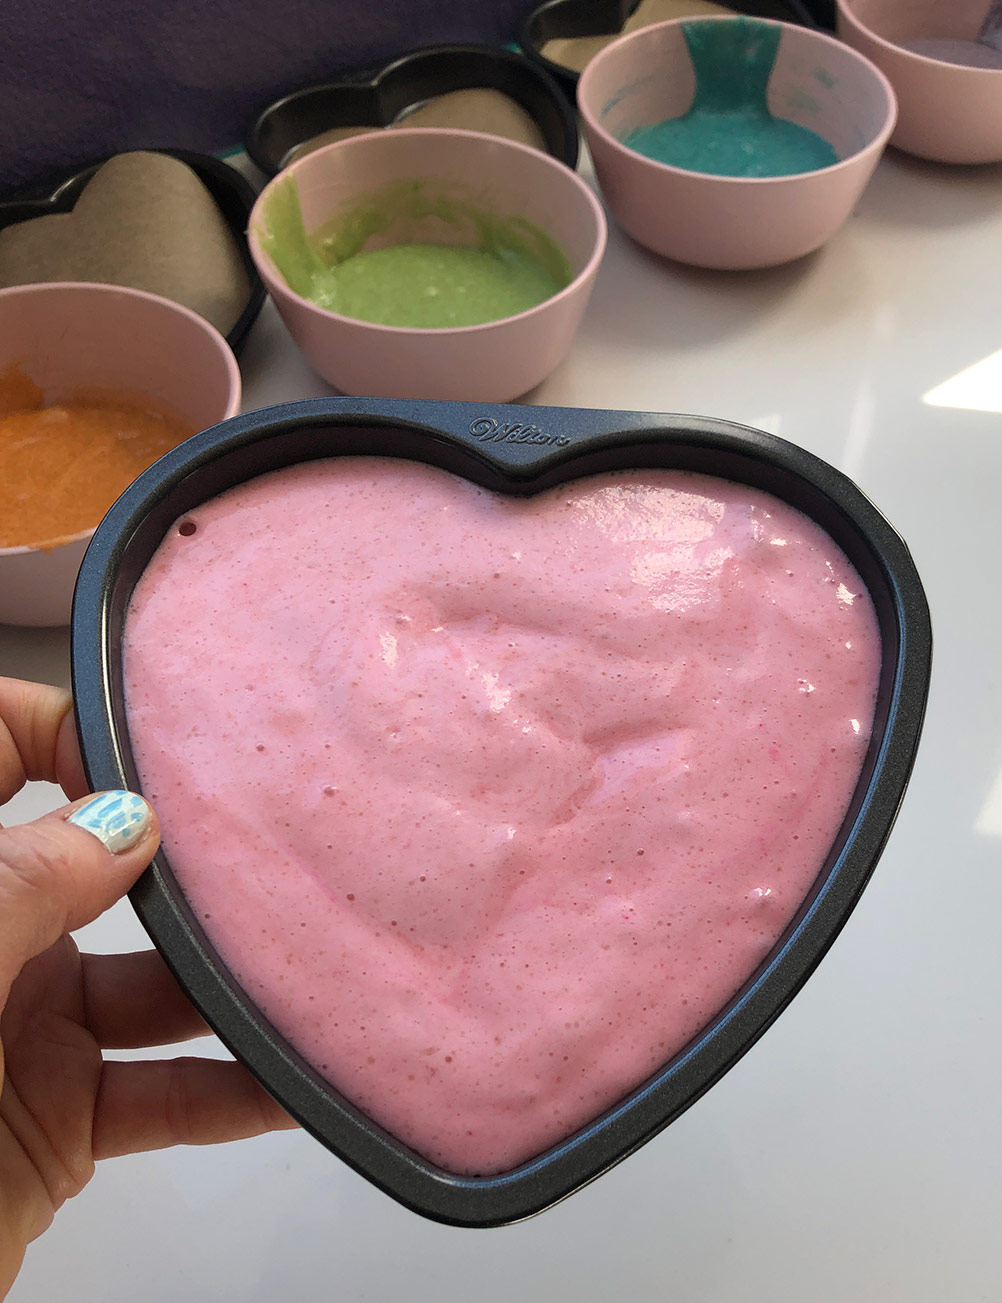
[{"x": 118, "y": 819}]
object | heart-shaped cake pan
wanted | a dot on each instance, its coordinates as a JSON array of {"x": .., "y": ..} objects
[
  {"x": 377, "y": 99},
  {"x": 517, "y": 451},
  {"x": 233, "y": 194},
  {"x": 560, "y": 21}
]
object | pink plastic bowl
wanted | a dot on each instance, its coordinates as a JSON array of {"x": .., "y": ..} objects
[
  {"x": 70, "y": 336},
  {"x": 947, "y": 112},
  {"x": 722, "y": 221},
  {"x": 493, "y": 362}
]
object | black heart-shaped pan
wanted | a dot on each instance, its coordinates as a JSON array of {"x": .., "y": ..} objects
[
  {"x": 386, "y": 95},
  {"x": 565, "y": 19},
  {"x": 515, "y": 450},
  {"x": 233, "y": 194}
]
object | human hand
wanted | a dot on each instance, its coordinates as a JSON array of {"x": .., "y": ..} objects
[{"x": 61, "y": 1105}]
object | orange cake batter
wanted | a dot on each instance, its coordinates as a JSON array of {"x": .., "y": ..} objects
[{"x": 63, "y": 465}]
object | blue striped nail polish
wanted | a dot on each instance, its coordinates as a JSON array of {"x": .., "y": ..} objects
[{"x": 118, "y": 819}]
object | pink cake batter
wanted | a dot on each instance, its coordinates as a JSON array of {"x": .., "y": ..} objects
[{"x": 489, "y": 803}]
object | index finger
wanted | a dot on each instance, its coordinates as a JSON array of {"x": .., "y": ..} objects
[{"x": 38, "y": 739}]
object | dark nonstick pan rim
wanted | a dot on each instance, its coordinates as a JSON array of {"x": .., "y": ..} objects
[{"x": 516, "y": 450}]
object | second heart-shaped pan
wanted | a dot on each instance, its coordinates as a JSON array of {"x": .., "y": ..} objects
[
  {"x": 233, "y": 194},
  {"x": 513, "y": 450},
  {"x": 377, "y": 99}
]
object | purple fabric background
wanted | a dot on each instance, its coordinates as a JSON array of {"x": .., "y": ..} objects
[{"x": 80, "y": 79}]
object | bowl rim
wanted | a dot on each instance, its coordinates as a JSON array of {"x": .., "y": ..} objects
[
  {"x": 848, "y": 14},
  {"x": 220, "y": 346},
  {"x": 518, "y": 450},
  {"x": 874, "y": 146},
  {"x": 273, "y": 277}
]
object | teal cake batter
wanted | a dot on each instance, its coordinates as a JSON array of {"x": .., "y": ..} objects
[{"x": 729, "y": 130}]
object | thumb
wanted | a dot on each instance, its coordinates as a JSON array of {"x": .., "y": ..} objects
[{"x": 65, "y": 869}]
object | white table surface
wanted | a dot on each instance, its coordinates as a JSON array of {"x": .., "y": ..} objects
[{"x": 855, "y": 1154}]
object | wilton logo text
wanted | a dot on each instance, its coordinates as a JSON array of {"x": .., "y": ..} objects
[{"x": 489, "y": 430}]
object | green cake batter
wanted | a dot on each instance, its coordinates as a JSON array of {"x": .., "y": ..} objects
[
  {"x": 435, "y": 285},
  {"x": 499, "y": 267},
  {"x": 729, "y": 130}
]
